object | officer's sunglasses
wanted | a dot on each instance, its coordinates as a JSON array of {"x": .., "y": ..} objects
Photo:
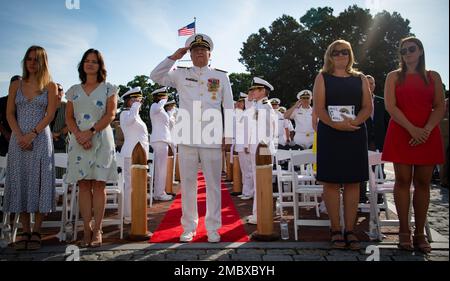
[{"x": 410, "y": 49}]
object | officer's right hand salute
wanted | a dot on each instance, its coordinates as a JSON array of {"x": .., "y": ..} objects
[{"x": 179, "y": 54}]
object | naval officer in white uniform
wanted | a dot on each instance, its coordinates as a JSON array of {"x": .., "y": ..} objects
[
  {"x": 302, "y": 114},
  {"x": 283, "y": 135},
  {"x": 241, "y": 134},
  {"x": 134, "y": 130},
  {"x": 203, "y": 91},
  {"x": 160, "y": 139},
  {"x": 263, "y": 128}
]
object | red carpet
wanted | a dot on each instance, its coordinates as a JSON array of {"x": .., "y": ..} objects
[{"x": 170, "y": 229}]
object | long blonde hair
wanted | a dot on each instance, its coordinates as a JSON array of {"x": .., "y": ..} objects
[
  {"x": 43, "y": 77},
  {"x": 420, "y": 66},
  {"x": 328, "y": 66}
]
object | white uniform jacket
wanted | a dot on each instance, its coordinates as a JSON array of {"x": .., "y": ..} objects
[
  {"x": 207, "y": 89},
  {"x": 160, "y": 123},
  {"x": 134, "y": 130}
]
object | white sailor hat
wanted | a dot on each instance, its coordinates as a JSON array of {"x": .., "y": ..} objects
[
  {"x": 133, "y": 93},
  {"x": 304, "y": 93},
  {"x": 199, "y": 39},
  {"x": 161, "y": 92},
  {"x": 242, "y": 97},
  {"x": 170, "y": 102},
  {"x": 260, "y": 83},
  {"x": 282, "y": 109},
  {"x": 275, "y": 101}
]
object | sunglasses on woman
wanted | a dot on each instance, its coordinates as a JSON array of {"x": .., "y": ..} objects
[
  {"x": 344, "y": 52},
  {"x": 410, "y": 49}
]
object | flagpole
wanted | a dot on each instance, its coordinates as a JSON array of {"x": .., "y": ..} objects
[{"x": 195, "y": 24}]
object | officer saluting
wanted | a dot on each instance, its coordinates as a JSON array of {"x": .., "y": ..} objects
[
  {"x": 160, "y": 140},
  {"x": 241, "y": 135},
  {"x": 261, "y": 117},
  {"x": 135, "y": 130},
  {"x": 283, "y": 134},
  {"x": 302, "y": 114},
  {"x": 209, "y": 90}
]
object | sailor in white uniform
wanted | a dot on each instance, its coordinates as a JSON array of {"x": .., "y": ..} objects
[
  {"x": 242, "y": 131},
  {"x": 171, "y": 108},
  {"x": 289, "y": 127},
  {"x": 263, "y": 128},
  {"x": 135, "y": 131},
  {"x": 203, "y": 91},
  {"x": 302, "y": 114},
  {"x": 283, "y": 135},
  {"x": 160, "y": 139}
]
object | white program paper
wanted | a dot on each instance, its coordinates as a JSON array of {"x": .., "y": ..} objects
[{"x": 337, "y": 111}]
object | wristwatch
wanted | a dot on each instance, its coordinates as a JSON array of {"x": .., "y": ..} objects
[{"x": 92, "y": 129}]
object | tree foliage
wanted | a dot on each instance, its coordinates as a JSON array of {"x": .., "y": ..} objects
[{"x": 290, "y": 53}]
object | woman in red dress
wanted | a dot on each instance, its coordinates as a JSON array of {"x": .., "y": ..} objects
[{"x": 415, "y": 100}]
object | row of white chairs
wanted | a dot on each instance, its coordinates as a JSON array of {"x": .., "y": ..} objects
[
  {"x": 67, "y": 194},
  {"x": 298, "y": 188}
]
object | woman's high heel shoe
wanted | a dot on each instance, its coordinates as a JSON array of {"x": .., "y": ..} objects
[
  {"x": 97, "y": 239},
  {"x": 87, "y": 239}
]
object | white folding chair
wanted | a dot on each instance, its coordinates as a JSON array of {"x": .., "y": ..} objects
[
  {"x": 305, "y": 186},
  {"x": 62, "y": 190},
  {"x": 378, "y": 185},
  {"x": 115, "y": 199},
  {"x": 283, "y": 178},
  {"x": 7, "y": 233}
]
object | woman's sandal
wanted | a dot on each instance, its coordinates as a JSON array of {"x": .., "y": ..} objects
[
  {"x": 35, "y": 241},
  {"x": 352, "y": 241},
  {"x": 97, "y": 239},
  {"x": 337, "y": 243},
  {"x": 22, "y": 244},
  {"x": 421, "y": 243},
  {"x": 405, "y": 242},
  {"x": 87, "y": 239}
]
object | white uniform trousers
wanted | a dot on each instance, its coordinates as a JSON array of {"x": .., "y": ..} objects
[
  {"x": 304, "y": 140},
  {"x": 127, "y": 188},
  {"x": 160, "y": 150},
  {"x": 253, "y": 165},
  {"x": 211, "y": 164},
  {"x": 248, "y": 188}
]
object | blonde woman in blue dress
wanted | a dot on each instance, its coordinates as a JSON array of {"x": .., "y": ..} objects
[
  {"x": 30, "y": 172},
  {"x": 91, "y": 107}
]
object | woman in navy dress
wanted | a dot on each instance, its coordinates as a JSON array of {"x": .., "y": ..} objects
[{"x": 343, "y": 103}]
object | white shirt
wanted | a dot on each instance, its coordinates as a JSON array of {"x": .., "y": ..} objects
[
  {"x": 160, "y": 123},
  {"x": 283, "y": 124},
  {"x": 263, "y": 126},
  {"x": 134, "y": 130},
  {"x": 240, "y": 130},
  {"x": 303, "y": 120},
  {"x": 208, "y": 86}
]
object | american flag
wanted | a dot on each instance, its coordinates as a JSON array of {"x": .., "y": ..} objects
[{"x": 187, "y": 30}]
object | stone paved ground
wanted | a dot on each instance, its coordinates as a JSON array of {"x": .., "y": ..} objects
[{"x": 252, "y": 251}]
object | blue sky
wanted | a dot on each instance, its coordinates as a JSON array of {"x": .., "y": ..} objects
[{"x": 135, "y": 35}]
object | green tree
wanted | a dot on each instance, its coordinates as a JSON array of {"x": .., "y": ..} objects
[
  {"x": 290, "y": 53},
  {"x": 240, "y": 82}
]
